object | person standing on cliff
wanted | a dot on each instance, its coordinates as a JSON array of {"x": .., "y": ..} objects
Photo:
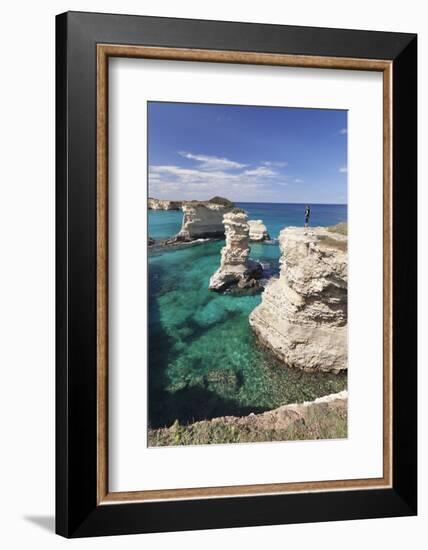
[{"x": 307, "y": 215}]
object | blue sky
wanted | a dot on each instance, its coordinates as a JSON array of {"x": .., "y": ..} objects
[{"x": 247, "y": 154}]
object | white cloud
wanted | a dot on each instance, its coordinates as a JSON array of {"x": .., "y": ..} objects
[
  {"x": 343, "y": 169},
  {"x": 275, "y": 163},
  {"x": 186, "y": 176},
  {"x": 297, "y": 180},
  {"x": 343, "y": 131},
  {"x": 260, "y": 171},
  {"x": 214, "y": 176},
  {"x": 207, "y": 162}
]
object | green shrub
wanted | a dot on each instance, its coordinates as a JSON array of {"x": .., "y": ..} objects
[{"x": 221, "y": 200}]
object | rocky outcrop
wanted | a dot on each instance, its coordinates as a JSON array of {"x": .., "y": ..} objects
[
  {"x": 302, "y": 318},
  {"x": 323, "y": 418},
  {"x": 258, "y": 231},
  {"x": 163, "y": 204},
  {"x": 203, "y": 219},
  {"x": 283, "y": 417},
  {"x": 236, "y": 269}
]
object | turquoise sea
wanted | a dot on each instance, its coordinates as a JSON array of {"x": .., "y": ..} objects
[{"x": 204, "y": 360}]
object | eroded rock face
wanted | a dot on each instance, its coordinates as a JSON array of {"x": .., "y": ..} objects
[
  {"x": 258, "y": 231},
  {"x": 303, "y": 315},
  {"x": 163, "y": 204},
  {"x": 203, "y": 220},
  {"x": 236, "y": 269}
]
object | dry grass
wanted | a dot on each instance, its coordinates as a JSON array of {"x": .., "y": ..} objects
[
  {"x": 330, "y": 242},
  {"x": 325, "y": 424},
  {"x": 341, "y": 228}
]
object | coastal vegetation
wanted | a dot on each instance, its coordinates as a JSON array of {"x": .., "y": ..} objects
[
  {"x": 222, "y": 201},
  {"x": 341, "y": 228},
  {"x": 325, "y": 418},
  {"x": 237, "y": 210}
]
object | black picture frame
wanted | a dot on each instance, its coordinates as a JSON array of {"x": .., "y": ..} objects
[{"x": 77, "y": 511}]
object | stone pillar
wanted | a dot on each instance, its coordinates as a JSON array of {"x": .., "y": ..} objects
[{"x": 236, "y": 269}]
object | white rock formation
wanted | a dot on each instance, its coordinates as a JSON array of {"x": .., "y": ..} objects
[
  {"x": 203, "y": 219},
  {"x": 303, "y": 315},
  {"x": 163, "y": 204},
  {"x": 236, "y": 268},
  {"x": 258, "y": 231}
]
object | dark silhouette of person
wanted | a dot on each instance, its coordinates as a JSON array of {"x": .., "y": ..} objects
[{"x": 307, "y": 215}]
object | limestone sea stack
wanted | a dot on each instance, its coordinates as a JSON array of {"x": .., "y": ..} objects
[
  {"x": 236, "y": 269},
  {"x": 163, "y": 204},
  {"x": 258, "y": 231},
  {"x": 302, "y": 318},
  {"x": 203, "y": 219}
]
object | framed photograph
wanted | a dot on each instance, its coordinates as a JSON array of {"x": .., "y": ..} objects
[{"x": 236, "y": 274}]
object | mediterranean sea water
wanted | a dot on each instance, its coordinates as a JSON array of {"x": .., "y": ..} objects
[{"x": 204, "y": 360}]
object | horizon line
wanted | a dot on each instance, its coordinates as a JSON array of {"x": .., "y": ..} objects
[
  {"x": 306, "y": 202},
  {"x": 256, "y": 202}
]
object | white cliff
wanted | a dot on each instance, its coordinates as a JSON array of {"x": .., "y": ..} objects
[
  {"x": 163, "y": 204},
  {"x": 236, "y": 269},
  {"x": 302, "y": 318},
  {"x": 203, "y": 219},
  {"x": 258, "y": 231}
]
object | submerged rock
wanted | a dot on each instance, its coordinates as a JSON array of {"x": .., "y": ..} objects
[
  {"x": 258, "y": 231},
  {"x": 222, "y": 381},
  {"x": 302, "y": 318},
  {"x": 175, "y": 244},
  {"x": 236, "y": 269},
  {"x": 210, "y": 314}
]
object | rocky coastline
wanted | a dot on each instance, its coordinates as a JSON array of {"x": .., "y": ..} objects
[
  {"x": 323, "y": 418},
  {"x": 302, "y": 318},
  {"x": 163, "y": 204},
  {"x": 202, "y": 221}
]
